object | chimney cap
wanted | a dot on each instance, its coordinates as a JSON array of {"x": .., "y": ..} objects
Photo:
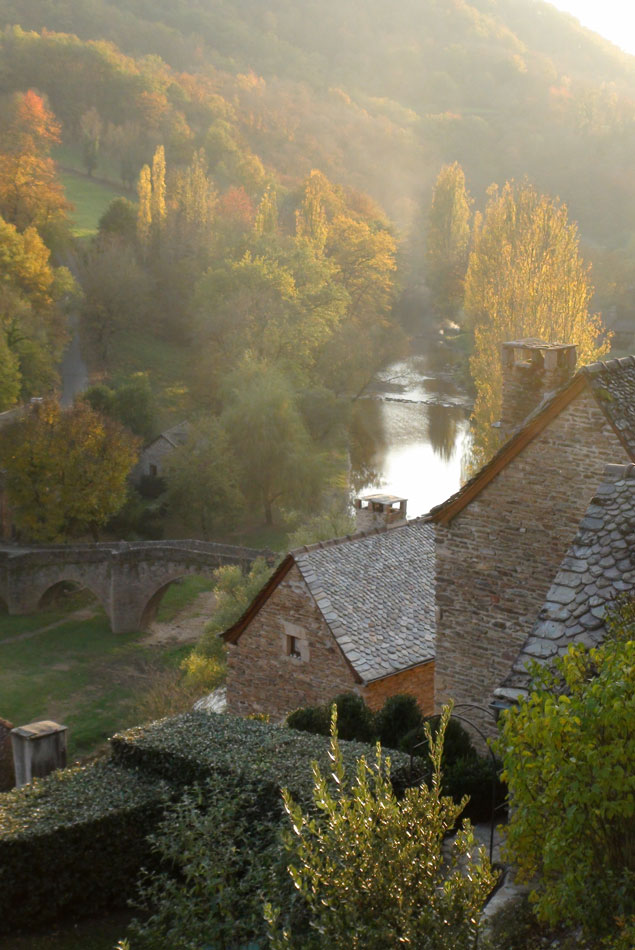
[
  {"x": 535, "y": 344},
  {"x": 383, "y": 499}
]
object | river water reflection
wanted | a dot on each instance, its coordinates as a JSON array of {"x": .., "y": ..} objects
[{"x": 410, "y": 435}]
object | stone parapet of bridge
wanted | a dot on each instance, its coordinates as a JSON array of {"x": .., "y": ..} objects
[{"x": 128, "y": 579}]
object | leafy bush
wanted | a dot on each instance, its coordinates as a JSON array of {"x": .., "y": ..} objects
[
  {"x": 457, "y": 744},
  {"x": 74, "y": 842},
  {"x": 370, "y": 870},
  {"x": 313, "y": 719},
  {"x": 399, "y": 716},
  {"x": 356, "y": 720},
  {"x": 219, "y": 849},
  {"x": 569, "y": 757}
]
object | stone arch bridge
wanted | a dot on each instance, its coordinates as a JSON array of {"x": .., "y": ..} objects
[{"x": 128, "y": 580}]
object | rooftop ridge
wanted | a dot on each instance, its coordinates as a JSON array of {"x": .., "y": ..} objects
[{"x": 356, "y": 536}]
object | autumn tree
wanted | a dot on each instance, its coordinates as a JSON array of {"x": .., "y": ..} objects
[
  {"x": 30, "y": 194},
  {"x": 32, "y": 321},
  {"x": 448, "y": 240},
  {"x": 525, "y": 278},
  {"x": 266, "y": 220},
  {"x": 66, "y": 471}
]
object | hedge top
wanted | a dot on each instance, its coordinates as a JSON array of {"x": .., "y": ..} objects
[
  {"x": 193, "y": 746},
  {"x": 75, "y": 796}
]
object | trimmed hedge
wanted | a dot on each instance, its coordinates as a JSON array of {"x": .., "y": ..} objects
[
  {"x": 187, "y": 749},
  {"x": 74, "y": 842}
]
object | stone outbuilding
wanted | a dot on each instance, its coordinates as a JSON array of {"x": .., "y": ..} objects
[
  {"x": 152, "y": 458},
  {"x": 596, "y": 572},
  {"x": 352, "y": 614},
  {"x": 502, "y": 537}
]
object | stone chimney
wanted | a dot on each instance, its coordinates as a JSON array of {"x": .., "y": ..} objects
[
  {"x": 532, "y": 370},
  {"x": 377, "y": 511}
]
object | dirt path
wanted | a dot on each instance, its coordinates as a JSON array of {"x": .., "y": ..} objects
[{"x": 188, "y": 625}]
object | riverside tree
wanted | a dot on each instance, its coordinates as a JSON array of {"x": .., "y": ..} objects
[
  {"x": 525, "y": 278},
  {"x": 448, "y": 240},
  {"x": 66, "y": 471}
]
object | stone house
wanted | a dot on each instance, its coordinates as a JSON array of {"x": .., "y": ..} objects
[
  {"x": 501, "y": 539},
  {"x": 354, "y": 614},
  {"x": 491, "y": 553},
  {"x": 152, "y": 457},
  {"x": 597, "y": 570}
]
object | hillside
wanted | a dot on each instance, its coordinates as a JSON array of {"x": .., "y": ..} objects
[{"x": 378, "y": 96}]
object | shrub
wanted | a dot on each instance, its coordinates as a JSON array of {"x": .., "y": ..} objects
[
  {"x": 74, "y": 842},
  {"x": 370, "y": 869},
  {"x": 356, "y": 720},
  {"x": 220, "y": 846},
  {"x": 569, "y": 757},
  {"x": 219, "y": 849},
  {"x": 313, "y": 719},
  {"x": 399, "y": 716}
]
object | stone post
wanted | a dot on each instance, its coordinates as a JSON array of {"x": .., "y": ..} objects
[{"x": 38, "y": 749}]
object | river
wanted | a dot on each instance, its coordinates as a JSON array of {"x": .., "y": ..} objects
[{"x": 410, "y": 434}]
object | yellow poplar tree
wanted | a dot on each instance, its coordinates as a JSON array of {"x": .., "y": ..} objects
[
  {"x": 157, "y": 201},
  {"x": 266, "y": 220},
  {"x": 525, "y": 278},
  {"x": 144, "y": 215},
  {"x": 310, "y": 218},
  {"x": 448, "y": 240}
]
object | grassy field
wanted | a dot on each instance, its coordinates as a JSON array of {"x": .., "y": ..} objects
[
  {"x": 78, "y": 672},
  {"x": 90, "y": 198}
]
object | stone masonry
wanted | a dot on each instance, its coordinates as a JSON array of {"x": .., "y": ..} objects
[
  {"x": 497, "y": 557},
  {"x": 264, "y": 677},
  {"x": 129, "y": 580}
]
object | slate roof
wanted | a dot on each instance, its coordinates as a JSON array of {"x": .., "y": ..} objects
[
  {"x": 376, "y": 592},
  {"x": 613, "y": 385},
  {"x": 598, "y": 568},
  {"x": 176, "y": 435}
]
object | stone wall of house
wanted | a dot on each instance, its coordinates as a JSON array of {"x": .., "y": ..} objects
[
  {"x": 7, "y": 777},
  {"x": 418, "y": 682},
  {"x": 497, "y": 558},
  {"x": 264, "y": 678}
]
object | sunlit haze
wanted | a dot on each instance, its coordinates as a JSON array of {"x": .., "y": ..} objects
[{"x": 613, "y": 19}]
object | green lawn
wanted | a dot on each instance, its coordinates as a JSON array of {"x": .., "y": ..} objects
[
  {"x": 78, "y": 672},
  {"x": 90, "y": 198}
]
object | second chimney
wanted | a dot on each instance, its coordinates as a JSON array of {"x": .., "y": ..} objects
[
  {"x": 377, "y": 511},
  {"x": 532, "y": 370}
]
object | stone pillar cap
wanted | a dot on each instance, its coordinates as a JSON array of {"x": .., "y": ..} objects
[{"x": 34, "y": 730}]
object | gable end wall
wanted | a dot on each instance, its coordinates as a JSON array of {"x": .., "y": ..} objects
[
  {"x": 261, "y": 679},
  {"x": 497, "y": 558}
]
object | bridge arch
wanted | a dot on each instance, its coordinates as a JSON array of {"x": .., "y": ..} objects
[
  {"x": 149, "y": 612},
  {"x": 62, "y": 583}
]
